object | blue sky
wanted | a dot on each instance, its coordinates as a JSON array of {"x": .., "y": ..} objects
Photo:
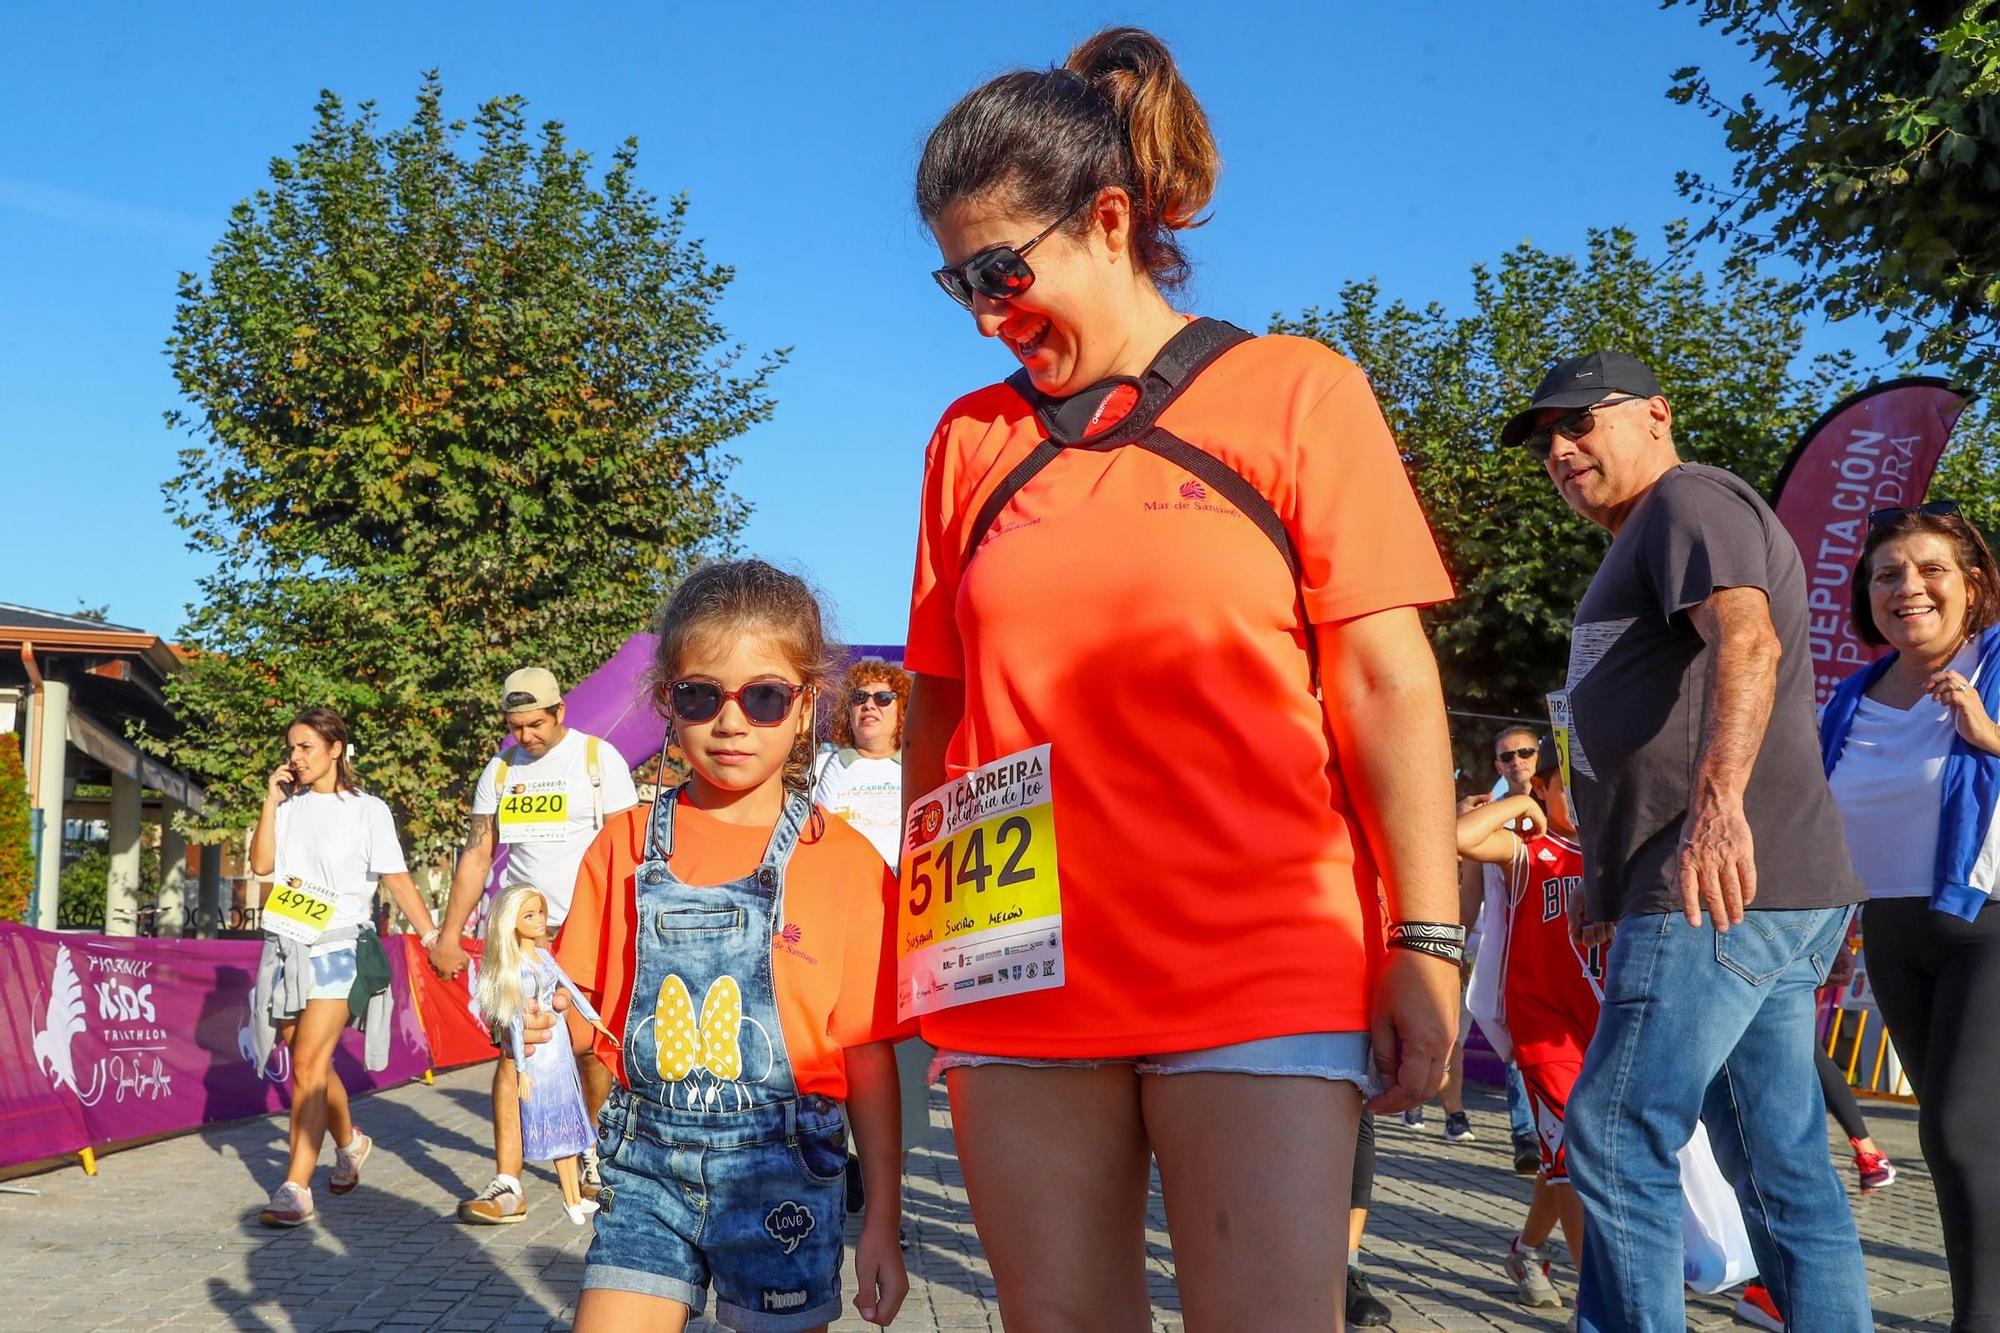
[{"x": 1405, "y": 140}]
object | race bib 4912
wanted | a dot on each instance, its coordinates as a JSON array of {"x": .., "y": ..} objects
[
  {"x": 980, "y": 911},
  {"x": 296, "y": 910}
]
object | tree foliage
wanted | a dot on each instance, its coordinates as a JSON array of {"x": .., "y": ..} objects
[
  {"x": 17, "y": 860},
  {"x": 1725, "y": 346},
  {"x": 454, "y": 412},
  {"x": 1879, "y": 170}
]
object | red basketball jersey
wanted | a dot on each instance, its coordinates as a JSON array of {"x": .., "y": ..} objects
[{"x": 1547, "y": 1002}]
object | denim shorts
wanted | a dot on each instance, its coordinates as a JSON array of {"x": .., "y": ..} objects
[
  {"x": 332, "y": 974},
  {"x": 750, "y": 1202},
  {"x": 1343, "y": 1057}
]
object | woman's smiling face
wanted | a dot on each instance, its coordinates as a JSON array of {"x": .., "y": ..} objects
[
  {"x": 1066, "y": 327},
  {"x": 1918, "y": 593}
]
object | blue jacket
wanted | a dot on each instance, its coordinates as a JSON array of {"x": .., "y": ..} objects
[{"x": 1971, "y": 780}]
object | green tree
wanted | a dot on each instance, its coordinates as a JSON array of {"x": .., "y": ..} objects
[
  {"x": 17, "y": 861},
  {"x": 1726, "y": 347},
  {"x": 1877, "y": 169},
  {"x": 454, "y": 412}
]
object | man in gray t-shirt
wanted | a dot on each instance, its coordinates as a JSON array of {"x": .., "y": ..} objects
[{"x": 1711, "y": 841}]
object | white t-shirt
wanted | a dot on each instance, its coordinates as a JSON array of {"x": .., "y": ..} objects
[
  {"x": 551, "y": 866},
  {"x": 1889, "y": 785},
  {"x": 343, "y": 842},
  {"x": 867, "y": 793}
]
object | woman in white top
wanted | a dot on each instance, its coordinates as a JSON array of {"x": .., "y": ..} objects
[
  {"x": 328, "y": 846},
  {"x": 1913, "y": 756}
]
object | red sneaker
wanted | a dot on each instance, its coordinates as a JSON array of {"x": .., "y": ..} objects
[
  {"x": 1755, "y": 1308},
  {"x": 1876, "y": 1170}
]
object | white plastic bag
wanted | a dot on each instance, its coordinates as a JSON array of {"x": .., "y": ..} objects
[{"x": 1715, "y": 1245}]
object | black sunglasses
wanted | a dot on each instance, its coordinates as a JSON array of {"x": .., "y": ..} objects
[
  {"x": 1529, "y": 753},
  {"x": 882, "y": 698},
  {"x": 765, "y": 702},
  {"x": 999, "y": 272},
  {"x": 1571, "y": 426},
  {"x": 1935, "y": 509}
]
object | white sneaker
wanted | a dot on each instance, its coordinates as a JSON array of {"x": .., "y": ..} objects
[
  {"x": 579, "y": 1210},
  {"x": 347, "y": 1162},
  {"x": 291, "y": 1206},
  {"x": 1529, "y": 1268}
]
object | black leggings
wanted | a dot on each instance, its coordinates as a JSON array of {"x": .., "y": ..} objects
[
  {"x": 1362, "y": 1191},
  {"x": 1840, "y": 1103},
  {"x": 1937, "y": 980}
]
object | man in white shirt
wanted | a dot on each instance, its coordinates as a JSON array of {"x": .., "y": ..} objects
[{"x": 542, "y": 798}]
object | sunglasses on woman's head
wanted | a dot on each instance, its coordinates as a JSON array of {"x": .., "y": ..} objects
[
  {"x": 765, "y": 702},
  {"x": 1935, "y": 509},
  {"x": 882, "y": 698},
  {"x": 999, "y": 272}
]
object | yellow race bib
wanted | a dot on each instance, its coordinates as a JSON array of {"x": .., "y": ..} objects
[
  {"x": 299, "y": 911},
  {"x": 536, "y": 811},
  {"x": 981, "y": 903}
]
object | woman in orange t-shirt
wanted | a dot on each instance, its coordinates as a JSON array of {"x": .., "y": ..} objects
[{"x": 1153, "y": 615}]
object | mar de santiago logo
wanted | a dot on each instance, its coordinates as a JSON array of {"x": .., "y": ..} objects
[{"x": 1193, "y": 490}]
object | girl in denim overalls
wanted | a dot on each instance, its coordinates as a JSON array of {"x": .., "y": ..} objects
[{"x": 723, "y": 1151}]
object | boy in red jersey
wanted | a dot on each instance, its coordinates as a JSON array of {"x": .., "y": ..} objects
[{"x": 1548, "y": 1005}]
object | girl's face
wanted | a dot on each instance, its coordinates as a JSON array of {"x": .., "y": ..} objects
[
  {"x": 533, "y": 921},
  {"x": 1918, "y": 593},
  {"x": 311, "y": 758},
  {"x": 728, "y": 752},
  {"x": 1549, "y": 791},
  {"x": 1069, "y": 327}
]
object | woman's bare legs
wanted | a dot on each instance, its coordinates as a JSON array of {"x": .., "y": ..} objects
[
  {"x": 1056, "y": 1164},
  {"x": 1251, "y": 1209},
  {"x": 319, "y": 1100}
]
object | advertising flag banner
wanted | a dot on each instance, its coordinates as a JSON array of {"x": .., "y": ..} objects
[
  {"x": 1875, "y": 449},
  {"x": 105, "y": 1039}
]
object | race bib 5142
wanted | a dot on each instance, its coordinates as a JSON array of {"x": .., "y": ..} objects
[{"x": 981, "y": 903}]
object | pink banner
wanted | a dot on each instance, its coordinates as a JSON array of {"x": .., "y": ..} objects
[
  {"x": 104, "y": 1040},
  {"x": 1875, "y": 449}
]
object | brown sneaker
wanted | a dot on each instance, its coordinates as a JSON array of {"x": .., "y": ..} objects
[{"x": 496, "y": 1205}]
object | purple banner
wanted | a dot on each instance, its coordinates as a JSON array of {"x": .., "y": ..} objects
[{"x": 104, "y": 1040}]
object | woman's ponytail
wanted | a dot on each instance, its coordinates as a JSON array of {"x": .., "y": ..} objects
[
  {"x": 1116, "y": 114},
  {"x": 1173, "y": 152}
]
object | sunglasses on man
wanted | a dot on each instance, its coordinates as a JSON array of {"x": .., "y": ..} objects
[
  {"x": 1934, "y": 509},
  {"x": 1527, "y": 752},
  {"x": 765, "y": 702},
  {"x": 999, "y": 272},
  {"x": 881, "y": 698},
  {"x": 1571, "y": 426}
]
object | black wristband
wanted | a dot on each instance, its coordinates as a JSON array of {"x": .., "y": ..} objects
[{"x": 1439, "y": 939}]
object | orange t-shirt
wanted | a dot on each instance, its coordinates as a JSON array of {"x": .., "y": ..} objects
[
  {"x": 833, "y": 961},
  {"x": 1209, "y": 856}
]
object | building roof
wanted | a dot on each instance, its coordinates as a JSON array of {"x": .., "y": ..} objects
[{"x": 27, "y": 617}]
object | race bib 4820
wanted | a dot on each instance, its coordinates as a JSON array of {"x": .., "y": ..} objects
[
  {"x": 535, "y": 811},
  {"x": 981, "y": 904}
]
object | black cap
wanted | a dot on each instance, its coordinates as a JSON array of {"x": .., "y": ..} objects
[{"x": 1579, "y": 382}]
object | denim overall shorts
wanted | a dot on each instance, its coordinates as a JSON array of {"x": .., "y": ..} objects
[{"x": 716, "y": 1171}]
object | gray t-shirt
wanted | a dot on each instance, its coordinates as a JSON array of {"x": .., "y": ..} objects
[{"x": 1638, "y": 687}]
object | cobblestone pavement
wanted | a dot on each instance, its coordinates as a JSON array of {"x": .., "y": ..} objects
[{"x": 166, "y": 1235}]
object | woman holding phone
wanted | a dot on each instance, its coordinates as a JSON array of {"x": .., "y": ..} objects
[{"x": 327, "y": 846}]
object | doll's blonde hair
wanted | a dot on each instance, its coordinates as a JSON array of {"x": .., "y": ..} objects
[{"x": 500, "y": 969}]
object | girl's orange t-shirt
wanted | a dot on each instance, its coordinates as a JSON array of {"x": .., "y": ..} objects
[
  {"x": 1209, "y": 858},
  {"x": 832, "y": 959}
]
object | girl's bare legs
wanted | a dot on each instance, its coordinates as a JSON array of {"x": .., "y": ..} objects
[
  {"x": 319, "y": 1101},
  {"x": 602, "y": 1310},
  {"x": 1251, "y": 1209},
  {"x": 1056, "y": 1165}
]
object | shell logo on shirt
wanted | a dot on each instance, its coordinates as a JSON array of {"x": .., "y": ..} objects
[{"x": 1193, "y": 490}]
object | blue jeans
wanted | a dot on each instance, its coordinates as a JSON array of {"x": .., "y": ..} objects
[
  {"x": 1519, "y": 1118},
  {"x": 1718, "y": 1027}
]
